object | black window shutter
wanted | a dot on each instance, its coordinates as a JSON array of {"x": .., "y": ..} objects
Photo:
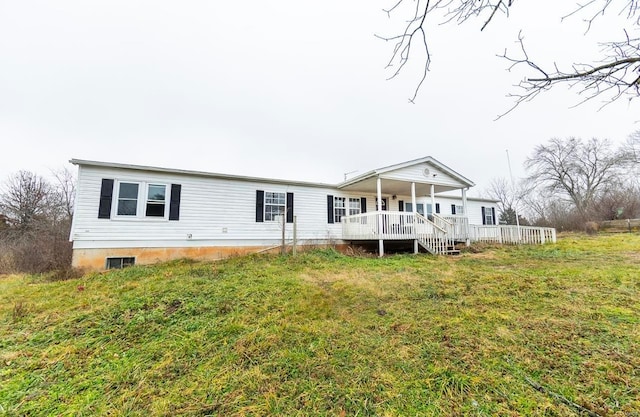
[
  {"x": 106, "y": 196},
  {"x": 174, "y": 202},
  {"x": 453, "y": 209},
  {"x": 493, "y": 215},
  {"x": 437, "y": 208},
  {"x": 484, "y": 219},
  {"x": 330, "y": 209},
  {"x": 400, "y": 205},
  {"x": 289, "y": 207},
  {"x": 363, "y": 205},
  {"x": 259, "y": 206}
]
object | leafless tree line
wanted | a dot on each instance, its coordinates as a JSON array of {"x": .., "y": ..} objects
[
  {"x": 35, "y": 220},
  {"x": 572, "y": 181}
]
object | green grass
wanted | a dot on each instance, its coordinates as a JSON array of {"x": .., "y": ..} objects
[{"x": 327, "y": 334}]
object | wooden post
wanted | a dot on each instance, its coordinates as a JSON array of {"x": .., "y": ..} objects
[
  {"x": 465, "y": 225},
  {"x": 380, "y": 228},
  {"x": 414, "y": 209},
  {"x": 284, "y": 243},
  {"x": 295, "y": 234},
  {"x": 433, "y": 201}
]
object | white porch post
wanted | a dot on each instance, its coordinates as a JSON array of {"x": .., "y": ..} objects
[
  {"x": 380, "y": 241},
  {"x": 433, "y": 199},
  {"x": 414, "y": 209},
  {"x": 466, "y": 214}
]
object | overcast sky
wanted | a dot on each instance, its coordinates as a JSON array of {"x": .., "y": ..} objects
[{"x": 286, "y": 89}]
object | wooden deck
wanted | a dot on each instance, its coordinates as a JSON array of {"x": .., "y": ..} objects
[{"x": 439, "y": 234}]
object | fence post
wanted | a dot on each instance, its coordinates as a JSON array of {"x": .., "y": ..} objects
[{"x": 295, "y": 234}]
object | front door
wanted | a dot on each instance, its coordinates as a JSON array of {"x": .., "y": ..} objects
[{"x": 384, "y": 203}]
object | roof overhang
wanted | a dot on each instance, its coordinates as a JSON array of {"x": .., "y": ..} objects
[
  {"x": 83, "y": 162},
  {"x": 367, "y": 182}
]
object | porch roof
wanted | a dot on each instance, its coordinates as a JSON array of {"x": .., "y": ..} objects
[{"x": 396, "y": 179}]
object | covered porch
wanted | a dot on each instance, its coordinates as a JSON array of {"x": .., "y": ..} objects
[{"x": 406, "y": 208}]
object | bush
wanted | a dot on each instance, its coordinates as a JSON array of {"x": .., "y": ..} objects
[{"x": 591, "y": 228}]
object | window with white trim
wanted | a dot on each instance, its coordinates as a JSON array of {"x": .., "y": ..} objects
[
  {"x": 128, "y": 199},
  {"x": 354, "y": 206},
  {"x": 274, "y": 206},
  {"x": 459, "y": 210},
  {"x": 339, "y": 208},
  {"x": 488, "y": 216},
  {"x": 141, "y": 200},
  {"x": 156, "y": 200}
]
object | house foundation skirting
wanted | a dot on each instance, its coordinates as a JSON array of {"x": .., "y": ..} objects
[{"x": 96, "y": 259}]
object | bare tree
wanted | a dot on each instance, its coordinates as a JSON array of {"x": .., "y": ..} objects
[
  {"x": 632, "y": 146},
  {"x": 65, "y": 190},
  {"x": 36, "y": 217},
  {"x": 576, "y": 171},
  {"x": 615, "y": 74},
  {"x": 509, "y": 200},
  {"x": 24, "y": 198}
]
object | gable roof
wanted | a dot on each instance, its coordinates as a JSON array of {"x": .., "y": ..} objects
[{"x": 427, "y": 159}]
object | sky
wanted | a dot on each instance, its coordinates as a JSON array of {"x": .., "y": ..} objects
[{"x": 282, "y": 89}]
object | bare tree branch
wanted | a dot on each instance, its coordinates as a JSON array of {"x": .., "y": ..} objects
[{"x": 613, "y": 76}]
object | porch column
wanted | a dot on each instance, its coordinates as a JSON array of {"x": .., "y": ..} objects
[
  {"x": 380, "y": 241},
  {"x": 433, "y": 199},
  {"x": 466, "y": 214},
  {"x": 414, "y": 209}
]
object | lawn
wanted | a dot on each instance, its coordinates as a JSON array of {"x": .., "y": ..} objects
[{"x": 551, "y": 330}]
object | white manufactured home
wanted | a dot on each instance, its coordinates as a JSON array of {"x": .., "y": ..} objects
[{"x": 128, "y": 214}]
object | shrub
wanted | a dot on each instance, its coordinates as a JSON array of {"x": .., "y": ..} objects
[{"x": 591, "y": 228}]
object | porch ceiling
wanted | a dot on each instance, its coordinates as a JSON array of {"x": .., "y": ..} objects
[{"x": 395, "y": 187}]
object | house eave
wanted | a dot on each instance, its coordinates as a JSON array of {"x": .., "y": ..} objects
[{"x": 102, "y": 164}]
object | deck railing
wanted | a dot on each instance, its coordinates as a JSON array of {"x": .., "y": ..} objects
[
  {"x": 513, "y": 234},
  {"x": 396, "y": 225},
  {"x": 439, "y": 235},
  {"x": 387, "y": 225},
  {"x": 457, "y": 226}
]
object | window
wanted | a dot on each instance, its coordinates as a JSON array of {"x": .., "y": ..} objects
[
  {"x": 354, "y": 206},
  {"x": 457, "y": 209},
  {"x": 136, "y": 200},
  {"x": 488, "y": 215},
  {"x": 419, "y": 208},
  {"x": 156, "y": 198},
  {"x": 339, "y": 208},
  {"x": 119, "y": 263},
  {"x": 141, "y": 200},
  {"x": 274, "y": 206},
  {"x": 128, "y": 199}
]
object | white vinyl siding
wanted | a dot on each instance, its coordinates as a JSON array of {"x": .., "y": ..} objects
[
  {"x": 416, "y": 173},
  {"x": 226, "y": 220}
]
